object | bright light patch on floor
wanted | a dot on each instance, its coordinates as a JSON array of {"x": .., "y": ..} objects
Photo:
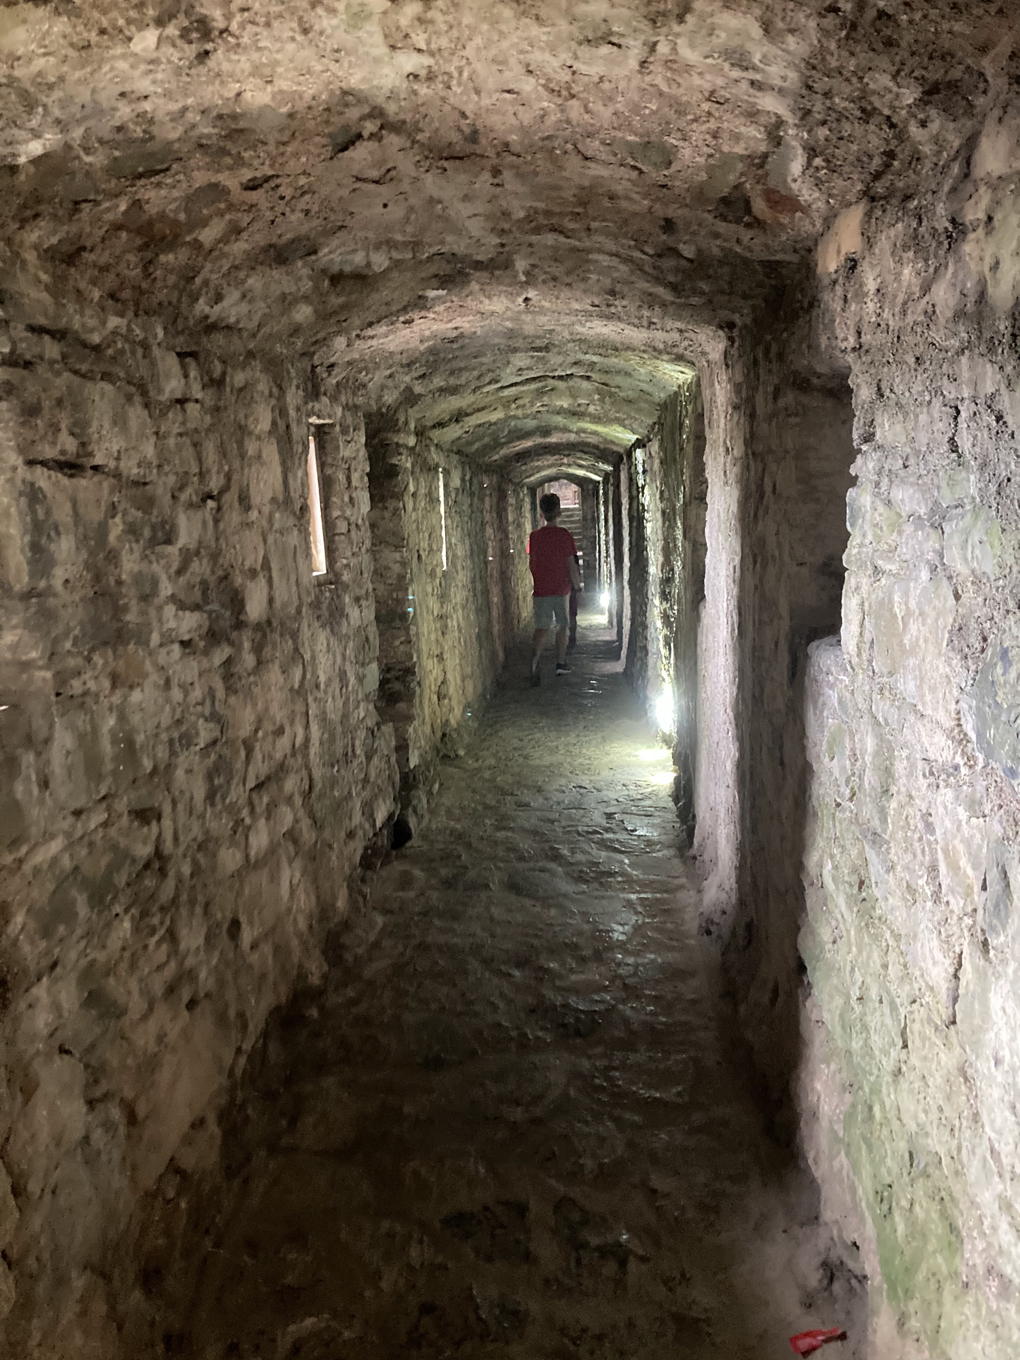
[
  {"x": 664, "y": 714},
  {"x": 662, "y": 777},
  {"x": 658, "y": 753},
  {"x": 604, "y": 599}
]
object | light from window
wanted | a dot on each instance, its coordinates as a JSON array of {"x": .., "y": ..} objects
[
  {"x": 315, "y": 528},
  {"x": 442, "y": 511}
]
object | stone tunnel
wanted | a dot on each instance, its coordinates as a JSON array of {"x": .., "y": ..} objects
[{"x": 358, "y": 1000}]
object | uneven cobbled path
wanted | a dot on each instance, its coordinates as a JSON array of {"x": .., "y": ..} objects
[{"x": 512, "y": 1124}]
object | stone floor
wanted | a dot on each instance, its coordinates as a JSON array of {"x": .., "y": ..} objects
[{"x": 512, "y": 1124}]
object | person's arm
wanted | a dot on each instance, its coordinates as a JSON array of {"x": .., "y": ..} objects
[{"x": 575, "y": 573}]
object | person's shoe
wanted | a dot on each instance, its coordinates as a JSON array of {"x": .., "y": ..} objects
[{"x": 562, "y": 669}]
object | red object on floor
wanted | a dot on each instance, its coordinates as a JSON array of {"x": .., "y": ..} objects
[{"x": 806, "y": 1342}]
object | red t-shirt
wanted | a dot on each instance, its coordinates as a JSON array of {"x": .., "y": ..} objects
[{"x": 550, "y": 550}]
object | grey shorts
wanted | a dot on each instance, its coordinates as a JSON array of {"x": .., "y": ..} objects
[{"x": 551, "y": 611}]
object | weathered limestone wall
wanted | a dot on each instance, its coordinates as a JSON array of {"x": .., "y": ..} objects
[
  {"x": 607, "y": 562},
  {"x": 730, "y": 535},
  {"x": 641, "y": 558},
  {"x": 666, "y": 573},
  {"x": 505, "y": 614},
  {"x": 676, "y": 466},
  {"x": 621, "y": 553},
  {"x": 700, "y": 459},
  {"x": 391, "y": 586},
  {"x": 184, "y": 714},
  {"x": 459, "y": 641},
  {"x": 911, "y": 1078},
  {"x": 516, "y": 582},
  {"x": 717, "y": 797},
  {"x": 798, "y": 453},
  {"x": 589, "y": 540},
  {"x": 443, "y": 632}
]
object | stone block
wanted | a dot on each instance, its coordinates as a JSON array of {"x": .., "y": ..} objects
[
  {"x": 285, "y": 564},
  {"x": 52, "y": 1122},
  {"x": 1001, "y": 881},
  {"x": 995, "y": 700},
  {"x": 973, "y": 541},
  {"x": 962, "y": 842},
  {"x": 168, "y": 376},
  {"x": 955, "y": 484},
  {"x": 19, "y": 799},
  {"x": 80, "y": 758},
  {"x": 142, "y": 160},
  {"x": 844, "y": 238},
  {"x": 911, "y": 497},
  {"x": 265, "y": 475},
  {"x": 8, "y": 1291},
  {"x": 116, "y": 428},
  {"x": 256, "y": 598},
  {"x": 189, "y": 1073},
  {"x": 44, "y": 530},
  {"x": 8, "y": 1212},
  {"x": 909, "y": 622}
]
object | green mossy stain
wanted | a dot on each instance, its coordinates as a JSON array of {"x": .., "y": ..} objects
[{"x": 914, "y": 1213}]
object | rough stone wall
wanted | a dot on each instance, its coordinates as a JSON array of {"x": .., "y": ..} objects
[
  {"x": 391, "y": 586},
  {"x": 519, "y": 585},
  {"x": 183, "y": 715},
  {"x": 506, "y": 535},
  {"x": 911, "y": 1077},
  {"x": 351, "y": 748},
  {"x": 625, "y": 496},
  {"x": 796, "y": 476},
  {"x": 457, "y": 646},
  {"x": 717, "y": 799},
  {"x": 641, "y": 658},
  {"x": 589, "y": 540},
  {"x": 665, "y": 574},
  {"x": 607, "y": 582},
  {"x": 504, "y": 619},
  {"x": 617, "y": 512},
  {"x": 676, "y": 470}
]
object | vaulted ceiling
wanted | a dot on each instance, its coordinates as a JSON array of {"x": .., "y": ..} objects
[
  {"x": 286, "y": 170},
  {"x": 550, "y": 390},
  {"x": 417, "y": 183}
]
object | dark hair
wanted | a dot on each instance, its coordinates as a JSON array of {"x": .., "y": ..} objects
[{"x": 549, "y": 505}]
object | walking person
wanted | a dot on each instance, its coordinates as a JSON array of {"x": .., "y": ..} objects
[{"x": 552, "y": 556}]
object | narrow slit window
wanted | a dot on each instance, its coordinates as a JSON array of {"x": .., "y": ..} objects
[
  {"x": 442, "y": 511},
  {"x": 315, "y": 526}
]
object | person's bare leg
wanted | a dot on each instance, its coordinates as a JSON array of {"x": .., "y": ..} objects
[
  {"x": 538, "y": 641},
  {"x": 561, "y": 646}
]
